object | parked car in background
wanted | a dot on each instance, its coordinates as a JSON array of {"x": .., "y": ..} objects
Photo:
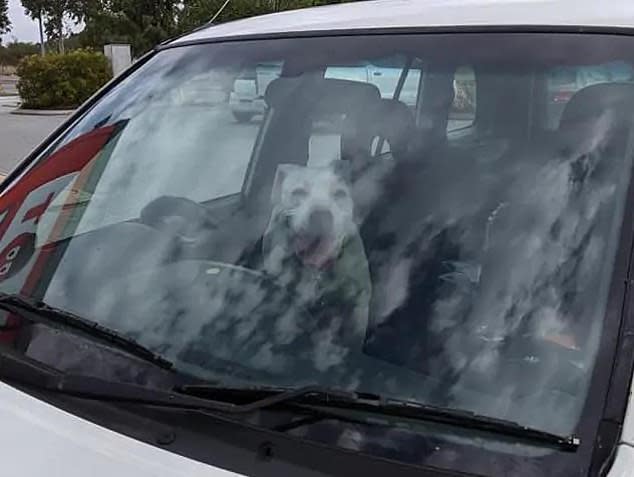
[
  {"x": 412, "y": 265},
  {"x": 247, "y": 95},
  {"x": 565, "y": 81}
]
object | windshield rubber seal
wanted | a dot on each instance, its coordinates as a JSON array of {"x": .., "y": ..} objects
[
  {"x": 616, "y": 350},
  {"x": 441, "y": 29}
]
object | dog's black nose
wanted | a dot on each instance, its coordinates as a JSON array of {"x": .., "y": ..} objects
[{"x": 320, "y": 222}]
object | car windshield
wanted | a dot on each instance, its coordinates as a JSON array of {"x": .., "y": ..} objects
[{"x": 407, "y": 215}]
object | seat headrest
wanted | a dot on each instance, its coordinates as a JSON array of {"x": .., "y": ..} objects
[
  {"x": 390, "y": 119},
  {"x": 323, "y": 95},
  {"x": 592, "y": 102}
]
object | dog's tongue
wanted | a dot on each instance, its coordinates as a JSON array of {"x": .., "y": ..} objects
[{"x": 314, "y": 251}]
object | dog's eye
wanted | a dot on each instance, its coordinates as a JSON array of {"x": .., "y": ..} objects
[
  {"x": 299, "y": 193},
  {"x": 340, "y": 194}
]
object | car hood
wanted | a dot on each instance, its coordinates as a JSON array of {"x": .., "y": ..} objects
[{"x": 39, "y": 439}]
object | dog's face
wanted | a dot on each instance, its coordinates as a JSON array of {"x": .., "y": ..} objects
[{"x": 315, "y": 206}]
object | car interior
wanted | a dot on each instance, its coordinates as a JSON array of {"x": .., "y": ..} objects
[{"x": 392, "y": 152}]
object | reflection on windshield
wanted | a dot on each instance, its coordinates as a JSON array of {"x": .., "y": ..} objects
[{"x": 193, "y": 210}]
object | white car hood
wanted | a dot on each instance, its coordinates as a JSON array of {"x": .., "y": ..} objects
[
  {"x": 623, "y": 463},
  {"x": 38, "y": 439}
]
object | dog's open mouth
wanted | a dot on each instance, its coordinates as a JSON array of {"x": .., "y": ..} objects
[{"x": 315, "y": 251}]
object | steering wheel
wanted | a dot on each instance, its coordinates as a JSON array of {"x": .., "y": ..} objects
[
  {"x": 179, "y": 216},
  {"x": 236, "y": 312}
]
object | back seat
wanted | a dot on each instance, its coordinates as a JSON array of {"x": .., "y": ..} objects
[{"x": 595, "y": 131}]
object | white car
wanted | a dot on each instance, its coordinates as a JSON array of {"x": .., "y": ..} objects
[
  {"x": 414, "y": 264},
  {"x": 247, "y": 96}
]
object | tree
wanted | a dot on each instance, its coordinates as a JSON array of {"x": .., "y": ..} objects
[
  {"x": 142, "y": 23},
  {"x": 12, "y": 53},
  {"x": 5, "y": 23},
  {"x": 35, "y": 10},
  {"x": 197, "y": 12},
  {"x": 52, "y": 15}
]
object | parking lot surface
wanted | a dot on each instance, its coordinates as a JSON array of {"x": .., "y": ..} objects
[{"x": 19, "y": 135}]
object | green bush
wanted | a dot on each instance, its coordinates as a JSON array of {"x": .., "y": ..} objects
[{"x": 61, "y": 80}]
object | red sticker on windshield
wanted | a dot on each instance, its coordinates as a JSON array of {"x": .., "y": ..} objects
[{"x": 16, "y": 255}]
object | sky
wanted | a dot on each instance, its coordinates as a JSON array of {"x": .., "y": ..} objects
[{"x": 22, "y": 27}]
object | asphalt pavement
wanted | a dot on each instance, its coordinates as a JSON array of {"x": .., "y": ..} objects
[{"x": 19, "y": 135}]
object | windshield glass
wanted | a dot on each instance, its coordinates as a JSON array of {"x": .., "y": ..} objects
[{"x": 405, "y": 215}]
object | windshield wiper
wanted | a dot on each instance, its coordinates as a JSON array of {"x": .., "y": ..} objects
[
  {"x": 15, "y": 368},
  {"x": 18, "y": 369},
  {"x": 39, "y": 312},
  {"x": 318, "y": 398},
  {"x": 193, "y": 396}
]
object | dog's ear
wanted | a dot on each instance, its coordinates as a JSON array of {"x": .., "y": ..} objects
[{"x": 283, "y": 170}]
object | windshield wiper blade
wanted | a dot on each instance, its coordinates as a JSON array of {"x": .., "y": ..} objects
[
  {"x": 18, "y": 369},
  {"x": 187, "y": 396},
  {"x": 39, "y": 312},
  {"x": 317, "y": 397},
  {"x": 15, "y": 368}
]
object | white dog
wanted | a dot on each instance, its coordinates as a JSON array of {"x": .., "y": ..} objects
[{"x": 312, "y": 243}]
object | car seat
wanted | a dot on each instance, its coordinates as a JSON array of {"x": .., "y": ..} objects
[
  {"x": 295, "y": 102},
  {"x": 563, "y": 202},
  {"x": 587, "y": 160},
  {"x": 385, "y": 122}
]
